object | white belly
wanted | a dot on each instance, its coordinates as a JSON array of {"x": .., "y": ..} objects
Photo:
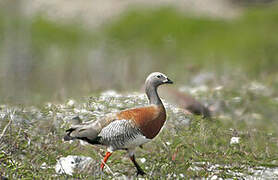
[{"x": 137, "y": 141}]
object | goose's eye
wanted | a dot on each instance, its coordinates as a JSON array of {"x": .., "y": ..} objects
[{"x": 158, "y": 76}]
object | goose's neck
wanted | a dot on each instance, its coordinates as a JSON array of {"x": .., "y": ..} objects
[{"x": 153, "y": 97}]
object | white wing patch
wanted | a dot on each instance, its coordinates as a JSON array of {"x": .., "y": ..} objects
[{"x": 122, "y": 134}]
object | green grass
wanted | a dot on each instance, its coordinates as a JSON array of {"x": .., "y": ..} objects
[
  {"x": 199, "y": 149},
  {"x": 40, "y": 56},
  {"x": 205, "y": 141},
  {"x": 248, "y": 41}
]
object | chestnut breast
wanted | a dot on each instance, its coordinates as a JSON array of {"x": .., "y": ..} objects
[{"x": 148, "y": 119}]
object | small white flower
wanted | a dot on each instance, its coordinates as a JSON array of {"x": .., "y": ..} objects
[
  {"x": 143, "y": 160},
  {"x": 214, "y": 177},
  {"x": 44, "y": 166},
  {"x": 168, "y": 143},
  {"x": 29, "y": 141},
  {"x": 12, "y": 116},
  {"x": 234, "y": 140},
  {"x": 182, "y": 175},
  {"x": 2, "y": 115},
  {"x": 70, "y": 103},
  {"x": 48, "y": 105}
]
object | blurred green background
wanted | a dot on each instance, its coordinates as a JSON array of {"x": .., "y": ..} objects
[{"x": 46, "y": 60}]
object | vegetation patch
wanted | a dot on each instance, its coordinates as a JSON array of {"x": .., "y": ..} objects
[{"x": 188, "y": 146}]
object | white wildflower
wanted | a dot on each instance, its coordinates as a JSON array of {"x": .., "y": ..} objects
[
  {"x": 168, "y": 143},
  {"x": 70, "y": 103},
  {"x": 44, "y": 166},
  {"x": 48, "y": 105},
  {"x": 234, "y": 140},
  {"x": 143, "y": 160}
]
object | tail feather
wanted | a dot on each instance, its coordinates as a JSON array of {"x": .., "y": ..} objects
[
  {"x": 67, "y": 137},
  {"x": 74, "y": 121},
  {"x": 70, "y": 130},
  {"x": 87, "y": 131}
]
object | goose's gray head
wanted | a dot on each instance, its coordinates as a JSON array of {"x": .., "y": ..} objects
[{"x": 156, "y": 78}]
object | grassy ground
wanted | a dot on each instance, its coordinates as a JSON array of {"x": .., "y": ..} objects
[{"x": 188, "y": 146}]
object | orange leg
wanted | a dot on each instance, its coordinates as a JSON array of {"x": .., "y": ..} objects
[{"x": 108, "y": 154}]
